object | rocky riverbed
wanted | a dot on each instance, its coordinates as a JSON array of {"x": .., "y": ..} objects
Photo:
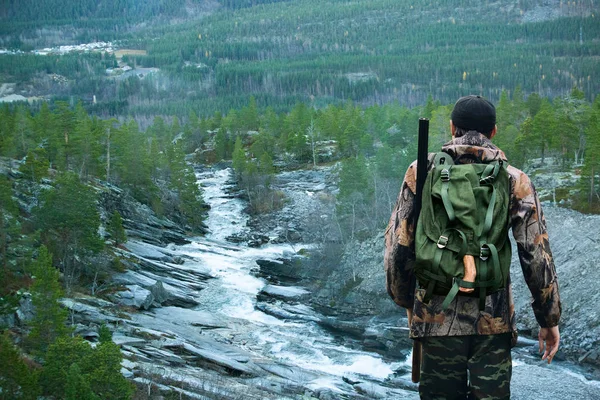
[
  {"x": 252, "y": 319},
  {"x": 576, "y": 251}
]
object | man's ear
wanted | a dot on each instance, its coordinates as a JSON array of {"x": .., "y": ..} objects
[
  {"x": 452, "y": 128},
  {"x": 494, "y": 131}
]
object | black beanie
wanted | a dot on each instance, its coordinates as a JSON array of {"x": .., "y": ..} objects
[{"x": 474, "y": 113}]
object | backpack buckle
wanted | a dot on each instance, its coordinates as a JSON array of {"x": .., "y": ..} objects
[
  {"x": 442, "y": 241},
  {"x": 484, "y": 252},
  {"x": 445, "y": 175}
]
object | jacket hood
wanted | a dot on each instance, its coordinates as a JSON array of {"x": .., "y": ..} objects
[{"x": 473, "y": 147}]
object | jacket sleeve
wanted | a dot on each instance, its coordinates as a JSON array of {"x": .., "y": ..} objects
[
  {"x": 399, "y": 253},
  {"x": 529, "y": 231}
]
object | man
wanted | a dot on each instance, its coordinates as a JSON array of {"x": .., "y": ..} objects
[{"x": 462, "y": 338}]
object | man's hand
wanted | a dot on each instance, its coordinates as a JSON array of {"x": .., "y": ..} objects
[
  {"x": 551, "y": 338},
  {"x": 409, "y": 314}
]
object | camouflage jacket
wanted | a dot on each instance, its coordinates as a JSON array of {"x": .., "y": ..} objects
[{"x": 463, "y": 316}]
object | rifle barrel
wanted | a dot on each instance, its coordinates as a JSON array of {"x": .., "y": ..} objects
[
  {"x": 421, "y": 163},
  {"x": 421, "y": 176}
]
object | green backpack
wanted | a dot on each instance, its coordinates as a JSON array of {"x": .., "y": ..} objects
[{"x": 464, "y": 212}]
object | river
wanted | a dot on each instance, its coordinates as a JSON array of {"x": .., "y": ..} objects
[
  {"x": 227, "y": 347},
  {"x": 232, "y": 294}
]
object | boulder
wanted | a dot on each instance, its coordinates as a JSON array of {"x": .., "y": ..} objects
[
  {"x": 282, "y": 270},
  {"x": 347, "y": 328},
  {"x": 135, "y": 296},
  {"x": 159, "y": 292},
  {"x": 282, "y": 292}
]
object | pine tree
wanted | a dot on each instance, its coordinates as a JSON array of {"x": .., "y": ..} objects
[
  {"x": 49, "y": 321},
  {"x": 23, "y": 132},
  {"x": 100, "y": 367},
  {"x": 221, "y": 145},
  {"x": 7, "y": 130},
  {"x": 69, "y": 219},
  {"x": 116, "y": 230},
  {"x": 543, "y": 129},
  {"x": 239, "y": 157},
  {"x": 62, "y": 353},
  {"x": 17, "y": 380},
  {"x": 9, "y": 225},
  {"x": 36, "y": 165},
  {"x": 249, "y": 116},
  {"x": 104, "y": 376},
  {"x": 591, "y": 166},
  {"x": 78, "y": 386}
]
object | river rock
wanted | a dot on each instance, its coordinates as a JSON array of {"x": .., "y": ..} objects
[
  {"x": 280, "y": 271},
  {"x": 218, "y": 357},
  {"x": 135, "y": 296},
  {"x": 181, "y": 295},
  {"x": 159, "y": 292},
  {"x": 374, "y": 391},
  {"x": 349, "y": 328},
  {"x": 282, "y": 292},
  {"x": 147, "y": 251},
  {"x": 257, "y": 240},
  {"x": 87, "y": 314}
]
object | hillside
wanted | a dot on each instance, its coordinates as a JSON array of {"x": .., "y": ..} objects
[{"x": 372, "y": 52}]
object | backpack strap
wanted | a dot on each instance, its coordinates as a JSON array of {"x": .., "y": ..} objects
[
  {"x": 444, "y": 161},
  {"x": 487, "y": 250}
]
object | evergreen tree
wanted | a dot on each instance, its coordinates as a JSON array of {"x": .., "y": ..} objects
[
  {"x": 430, "y": 105},
  {"x": 7, "y": 139},
  {"x": 36, "y": 164},
  {"x": 104, "y": 377},
  {"x": 69, "y": 220},
  {"x": 61, "y": 355},
  {"x": 239, "y": 157},
  {"x": 249, "y": 116},
  {"x": 99, "y": 367},
  {"x": 78, "y": 385},
  {"x": 23, "y": 132},
  {"x": 17, "y": 380},
  {"x": 355, "y": 198},
  {"x": 543, "y": 129},
  {"x": 183, "y": 182},
  {"x": 591, "y": 166},
  {"x": 221, "y": 145},
  {"x": 64, "y": 127},
  {"x": 49, "y": 321},
  {"x": 116, "y": 230},
  {"x": 439, "y": 128},
  {"x": 9, "y": 225}
]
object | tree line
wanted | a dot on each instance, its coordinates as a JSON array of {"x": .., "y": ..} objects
[{"x": 375, "y": 145}]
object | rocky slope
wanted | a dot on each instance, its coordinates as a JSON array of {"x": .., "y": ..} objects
[{"x": 356, "y": 286}]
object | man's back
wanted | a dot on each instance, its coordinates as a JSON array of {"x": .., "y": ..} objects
[{"x": 463, "y": 318}]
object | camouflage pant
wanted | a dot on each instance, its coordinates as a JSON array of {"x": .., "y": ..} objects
[{"x": 446, "y": 361}]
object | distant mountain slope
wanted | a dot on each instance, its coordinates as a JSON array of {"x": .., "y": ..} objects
[
  {"x": 385, "y": 50},
  {"x": 130, "y": 10},
  {"x": 327, "y": 51}
]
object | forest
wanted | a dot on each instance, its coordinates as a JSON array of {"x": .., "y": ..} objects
[{"x": 322, "y": 53}]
